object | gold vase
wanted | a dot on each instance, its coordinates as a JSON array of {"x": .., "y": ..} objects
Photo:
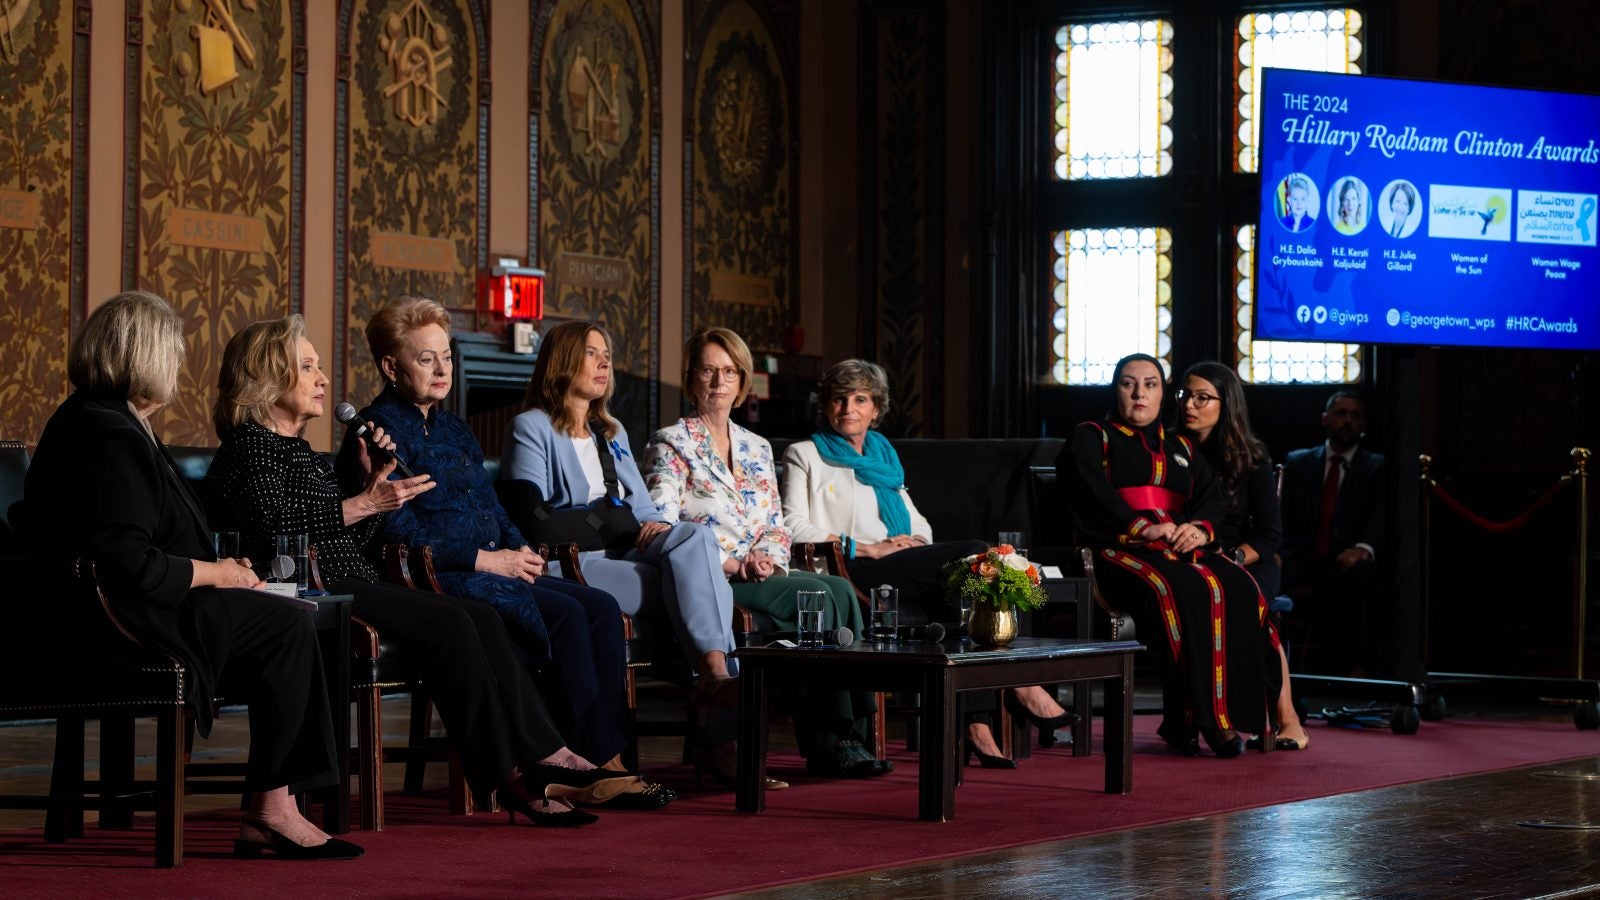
[{"x": 991, "y": 627}]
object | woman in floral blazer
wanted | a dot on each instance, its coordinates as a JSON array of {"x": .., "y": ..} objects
[{"x": 708, "y": 470}]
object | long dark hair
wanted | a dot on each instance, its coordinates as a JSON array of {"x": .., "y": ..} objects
[{"x": 1232, "y": 447}]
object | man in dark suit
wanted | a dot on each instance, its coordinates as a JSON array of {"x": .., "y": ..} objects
[{"x": 1334, "y": 517}]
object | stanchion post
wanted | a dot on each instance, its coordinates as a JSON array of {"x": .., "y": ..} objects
[
  {"x": 1425, "y": 506},
  {"x": 1580, "y": 563}
]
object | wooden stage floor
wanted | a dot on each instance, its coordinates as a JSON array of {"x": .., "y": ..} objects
[{"x": 1455, "y": 837}]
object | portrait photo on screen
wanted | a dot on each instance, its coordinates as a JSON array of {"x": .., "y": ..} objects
[
  {"x": 1400, "y": 208},
  {"x": 1349, "y": 206},
  {"x": 1298, "y": 202}
]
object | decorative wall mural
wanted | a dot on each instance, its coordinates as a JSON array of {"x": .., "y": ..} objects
[
  {"x": 596, "y": 194},
  {"x": 901, "y": 49},
  {"x": 43, "y": 65},
  {"x": 741, "y": 250},
  {"x": 413, "y": 134},
  {"x": 215, "y": 175}
]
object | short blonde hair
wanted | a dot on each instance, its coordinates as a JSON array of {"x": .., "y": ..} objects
[
  {"x": 259, "y": 365},
  {"x": 728, "y": 340},
  {"x": 847, "y": 377},
  {"x": 561, "y": 356},
  {"x": 388, "y": 328},
  {"x": 133, "y": 346}
]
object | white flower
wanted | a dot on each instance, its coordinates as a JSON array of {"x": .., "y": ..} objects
[{"x": 1015, "y": 561}]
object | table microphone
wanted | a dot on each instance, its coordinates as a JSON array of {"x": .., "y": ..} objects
[
  {"x": 346, "y": 413},
  {"x": 840, "y": 637},
  {"x": 933, "y": 632}
]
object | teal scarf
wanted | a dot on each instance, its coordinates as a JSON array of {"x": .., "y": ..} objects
[{"x": 878, "y": 467}]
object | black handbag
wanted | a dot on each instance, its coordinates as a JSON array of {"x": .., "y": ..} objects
[{"x": 606, "y": 524}]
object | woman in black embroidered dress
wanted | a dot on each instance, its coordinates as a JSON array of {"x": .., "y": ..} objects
[
  {"x": 266, "y": 480},
  {"x": 1148, "y": 504}
]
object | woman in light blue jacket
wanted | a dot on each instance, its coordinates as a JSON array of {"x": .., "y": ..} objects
[{"x": 556, "y": 445}]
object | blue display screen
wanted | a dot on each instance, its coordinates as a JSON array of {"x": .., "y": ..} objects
[{"x": 1410, "y": 212}]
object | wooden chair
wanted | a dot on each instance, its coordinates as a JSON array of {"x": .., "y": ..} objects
[
  {"x": 96, "y": 670},
  {"x": 378, "y": 667}
]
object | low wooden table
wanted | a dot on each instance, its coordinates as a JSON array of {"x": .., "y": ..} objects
[{"x": 939, "y": 672}]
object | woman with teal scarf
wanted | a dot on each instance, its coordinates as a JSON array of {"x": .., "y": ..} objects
[{"x": 846, "y": 484}]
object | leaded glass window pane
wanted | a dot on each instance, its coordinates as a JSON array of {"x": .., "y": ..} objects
[
  {"x": 1113, "y": 100},
  {"x": 1111, "y": 293},
  {"x": 1280, "y": 362},
  {"x": 1320, "y": 40}
]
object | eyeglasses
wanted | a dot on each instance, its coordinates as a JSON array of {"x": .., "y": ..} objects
[
  {"x": 1200, "y": 399},
  {"x": 729, "y": 373}
]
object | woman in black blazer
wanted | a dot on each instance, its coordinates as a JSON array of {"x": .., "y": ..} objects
[{"x": 102, "y": 485}]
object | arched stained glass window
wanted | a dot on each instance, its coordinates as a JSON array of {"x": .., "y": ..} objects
[
  {"x": 1113, "y": 100},
  {"x": 1111, "y": 291},
  {"x": 1280, "y": 362},
  {"x": 1320, "y": 40}
]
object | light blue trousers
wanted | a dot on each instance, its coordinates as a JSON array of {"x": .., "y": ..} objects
[{"x": 682, "y": 569}]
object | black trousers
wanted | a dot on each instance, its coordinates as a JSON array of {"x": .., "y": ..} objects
[
  {"x": 493, "y": 715},
  {"x": 271, "y": 661},
  {"x": 586, "y": 678}
]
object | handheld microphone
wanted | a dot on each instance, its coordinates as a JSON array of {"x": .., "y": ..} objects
[
  {"x": 281, "y": 567},
  {"x": 840, "y": 637},
  {"x": 346, "y": 413}
]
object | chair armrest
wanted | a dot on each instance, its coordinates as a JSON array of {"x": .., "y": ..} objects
[
  {"x": 396, "y": 565},
  {"x": 831, "y": 553},
  {"x": 567, "y": 556},
  {"x": 1121, "y": 623},
  {"x": 313, "y": 572},
  {"x": 363, "y": 639},
  {"x": 422, "y": 571}
]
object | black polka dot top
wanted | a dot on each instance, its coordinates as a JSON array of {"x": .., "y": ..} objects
[{"x": 264, "y": 485}]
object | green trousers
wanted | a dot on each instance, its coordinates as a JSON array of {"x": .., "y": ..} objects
[{"x": 821, "y": 718}]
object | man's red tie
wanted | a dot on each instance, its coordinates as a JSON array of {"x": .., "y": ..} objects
[{"x": 1330, "y": 497}]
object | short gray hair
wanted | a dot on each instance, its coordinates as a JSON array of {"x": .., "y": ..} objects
[
  {"x": 131, "y": 345},
  {"x": 849, "y": 376}
]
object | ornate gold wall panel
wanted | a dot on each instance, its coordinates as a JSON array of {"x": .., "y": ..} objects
[
  {"x": 741, "y": 108},
  {"x": 43, "y": 107},
  {"x": 902, "y": 226},
  {"x": 215, "y": 93},
  {"x": 410, "y": 177},
  {"x": 595, "y": 207}
]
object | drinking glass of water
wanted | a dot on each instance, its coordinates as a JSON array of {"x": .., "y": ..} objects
[
  {"x": 885, "y": 613},
  {"x": 1014, "y": 538},
  {"x": 811, "y": 608},
  {"x": 290, "y": 566},
  {"x": 226, "y": 544}
]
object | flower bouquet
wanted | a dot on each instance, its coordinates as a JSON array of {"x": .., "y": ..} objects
[{"x": 995, "y": 584}]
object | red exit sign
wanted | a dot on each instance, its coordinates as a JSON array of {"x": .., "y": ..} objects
[{"x": 515, "y": 292}]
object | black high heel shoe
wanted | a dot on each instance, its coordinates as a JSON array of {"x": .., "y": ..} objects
[
  {"x": 514, "y": 803},
  {"x": 333, "y": 848},
  {"x": 1224, "y": 742},
  {"x": 1047, "y": 725},
  {"x": 986, "y": 760}
]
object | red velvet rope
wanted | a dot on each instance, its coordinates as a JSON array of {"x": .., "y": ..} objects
[{"x": 1492, "y": 526}]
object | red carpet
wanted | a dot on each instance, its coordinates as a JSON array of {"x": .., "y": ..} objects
[{"x": 699, "y": 845}]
